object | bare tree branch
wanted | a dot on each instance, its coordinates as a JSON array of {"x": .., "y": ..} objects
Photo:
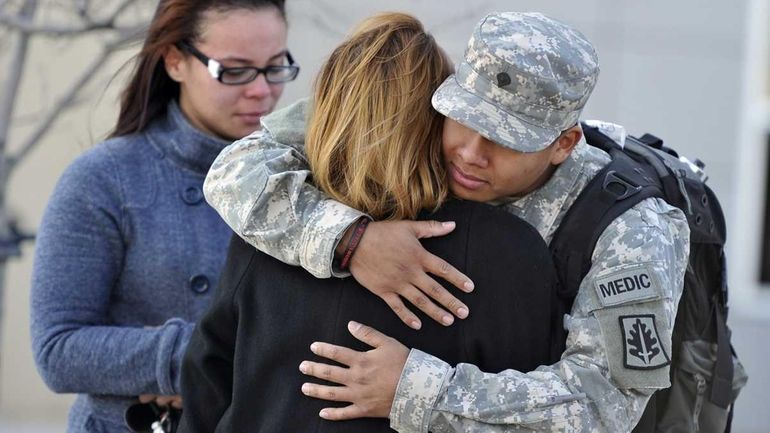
[
  {"x": 26, "y": 24},
  {"x": 68, "y": 99},
  {"x": 9, "y": 246},
  {"x": 16, "y": 66},
  {"x": 122, "y": 7}
]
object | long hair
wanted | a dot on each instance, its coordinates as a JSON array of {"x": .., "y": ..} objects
[
  {"x": 150, "y": 89},
  {"x": 373, "y": 140}
]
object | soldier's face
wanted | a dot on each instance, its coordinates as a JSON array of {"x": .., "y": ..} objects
[{"x": 482, "y": 170}]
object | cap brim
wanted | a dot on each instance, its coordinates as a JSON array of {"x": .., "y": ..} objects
[{"x": 467, "y": 108}]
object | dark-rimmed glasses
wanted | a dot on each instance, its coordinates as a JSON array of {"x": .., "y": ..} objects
[{"x": 274, "y": 74}]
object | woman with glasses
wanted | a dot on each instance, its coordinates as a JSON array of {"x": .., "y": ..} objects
[{"x": 128, "y": 252}]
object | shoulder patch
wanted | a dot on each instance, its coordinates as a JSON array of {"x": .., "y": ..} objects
[
  {"x": 641, "y": 343},
  {"x": 627, "y": 285}
]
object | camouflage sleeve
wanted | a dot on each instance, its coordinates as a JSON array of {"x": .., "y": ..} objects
[
  {"x": 260, "y": 185},
  {"x": 618, "y": 347}
]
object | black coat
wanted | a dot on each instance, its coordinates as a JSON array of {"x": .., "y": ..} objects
[{"x": 241, "y": 371}]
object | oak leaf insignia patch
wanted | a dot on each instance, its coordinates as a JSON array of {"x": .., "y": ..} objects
[{"x": 641, "y": 343}]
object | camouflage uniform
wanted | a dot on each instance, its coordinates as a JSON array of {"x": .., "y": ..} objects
[
  {"x": 590, "y": 389},
  {"x": 603, "y": 381}
]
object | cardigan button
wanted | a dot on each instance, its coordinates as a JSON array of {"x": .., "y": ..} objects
[
  {"x": 199, "y": 283},
  {"x": 192, "y": 195}
]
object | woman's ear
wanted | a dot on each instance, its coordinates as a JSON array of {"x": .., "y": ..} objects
[
  {"x": 565, "y": 144},
  {"x": 174, "y": 62}
]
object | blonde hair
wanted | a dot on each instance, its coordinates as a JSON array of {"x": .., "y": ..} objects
[{"x": 373, "y": 140}]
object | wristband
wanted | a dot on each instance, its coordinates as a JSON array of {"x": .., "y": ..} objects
[{"x": 355, "y": 239}]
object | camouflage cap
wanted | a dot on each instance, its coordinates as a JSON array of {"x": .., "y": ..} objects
[{"x": 524, "y": 79}]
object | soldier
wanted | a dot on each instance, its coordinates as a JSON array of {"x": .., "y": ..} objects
[{"x": 511, "y": 137}]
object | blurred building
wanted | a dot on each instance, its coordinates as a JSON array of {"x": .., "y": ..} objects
[{"x": 692, "y": 72}]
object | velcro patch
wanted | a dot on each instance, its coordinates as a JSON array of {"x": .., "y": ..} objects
[
  {"x": 641, "y": 343},
  {"x": 627, "y": 285}
]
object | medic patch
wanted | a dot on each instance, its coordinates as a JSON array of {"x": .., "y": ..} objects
[
  {"x": 627, "y": 285},
  {"x": 641, "y": 343}
]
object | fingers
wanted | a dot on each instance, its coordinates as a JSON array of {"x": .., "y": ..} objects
[
  {"x": 325, "y": 392},
  {"x": 326, "y": 372},
  {"x": 165, "y": 400},
  {"x": 397, "y": 305},
  {"x": 162, "y": 400},
  {"x": 424, "y": 303},
  {"x": 343, "y": 355},
  {"x": 333, "y": 393},
  {"x": 420, "y": 300},
  {"x": 342, "y": 413},
  {"x": 429, "y": 229},
  {"x": 437, "y": 292},
  {"x": 146, "y": 398},
  {"x": 440, "y": 267},
  {"x": 367, "y": 334}
]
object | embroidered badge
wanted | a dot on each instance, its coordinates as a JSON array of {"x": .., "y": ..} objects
[
  {"x": 626, "y": 286},
  {"x": 641, "y": 343}
]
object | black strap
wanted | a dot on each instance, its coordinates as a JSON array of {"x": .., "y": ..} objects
[
  {"x": 722, "y": 387},
  {"x": 616, "y": 188},
  {"x": 730, "y": 414}
]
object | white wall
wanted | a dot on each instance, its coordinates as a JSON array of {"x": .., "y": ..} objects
[{"x": 685, "y": 70}]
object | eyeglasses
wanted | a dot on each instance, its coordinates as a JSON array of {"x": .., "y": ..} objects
[{"x": 274, "y": 74}]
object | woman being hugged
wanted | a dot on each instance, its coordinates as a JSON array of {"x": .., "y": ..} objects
[
  {"x": 374, "y": 144},
  {"x": 128, "y": 251}
]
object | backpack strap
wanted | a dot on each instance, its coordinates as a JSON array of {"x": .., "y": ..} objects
[
  {"x": 619, "y": 186},
  {"x": 722, "y": 386},
  {"x": 724, "y": 371}
]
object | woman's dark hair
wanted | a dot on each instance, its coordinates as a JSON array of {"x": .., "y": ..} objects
[{"x": 150, "y": 89}]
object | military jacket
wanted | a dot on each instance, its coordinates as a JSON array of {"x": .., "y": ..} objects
[{"x": 619, "y": 330}]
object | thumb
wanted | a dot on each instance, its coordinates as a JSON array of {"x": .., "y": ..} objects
[
  {"x": 429, "y": 229},
  {"x": 367, "y": 334},
  {"x": 146, "y": 398}
]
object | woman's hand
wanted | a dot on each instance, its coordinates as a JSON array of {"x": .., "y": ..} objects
[
  {"x": 174, "y": 401},
  {"x": 391, "y": 263},
  {"x": 369, "y": 383}
]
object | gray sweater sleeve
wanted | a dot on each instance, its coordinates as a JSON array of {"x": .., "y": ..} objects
[{"x": 78, "y": 261}]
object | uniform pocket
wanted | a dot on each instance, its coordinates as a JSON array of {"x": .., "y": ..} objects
[{"x": 689, "y": 408}]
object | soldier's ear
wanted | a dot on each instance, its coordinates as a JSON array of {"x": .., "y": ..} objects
[{"x": 565, "y": 144}]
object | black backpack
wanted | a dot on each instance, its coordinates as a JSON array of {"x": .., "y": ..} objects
[{"x": 705, "y": 376}]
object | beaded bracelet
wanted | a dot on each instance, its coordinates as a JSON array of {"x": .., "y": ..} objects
[{"x": 355, "y": 239}]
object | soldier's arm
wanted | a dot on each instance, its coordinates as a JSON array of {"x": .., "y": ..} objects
[
  {"x": 618, "y": 347},
  {"x": 259, "y": 185}
]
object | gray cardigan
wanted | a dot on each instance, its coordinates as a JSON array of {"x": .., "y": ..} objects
[{"x": 127, "y": 257}]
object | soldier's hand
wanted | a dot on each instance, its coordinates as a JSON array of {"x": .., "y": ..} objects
[
  {"x": 391, "y": 263},
  {"x": 369, "y": 380}
]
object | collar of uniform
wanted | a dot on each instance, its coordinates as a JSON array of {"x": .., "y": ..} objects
[
  {"x": 181, "y": 142},
  {"x": 545, "y": 207}
]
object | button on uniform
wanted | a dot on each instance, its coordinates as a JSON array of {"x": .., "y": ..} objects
[
  {"x": 199, "y": 283},
  {"x": 192, "y": 195}
]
